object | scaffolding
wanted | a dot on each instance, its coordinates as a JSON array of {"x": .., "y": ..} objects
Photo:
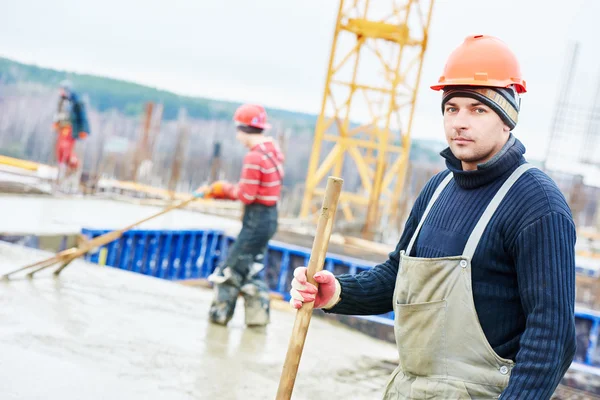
[{"x": 366, "y": 116}]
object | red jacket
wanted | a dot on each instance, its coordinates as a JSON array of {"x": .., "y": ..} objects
[{"x": 262, "y": 175}]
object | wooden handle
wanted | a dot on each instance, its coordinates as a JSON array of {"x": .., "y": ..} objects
[{"x": 315, "y": 264}]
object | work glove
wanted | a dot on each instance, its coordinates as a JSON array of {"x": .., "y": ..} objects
[
  {"x": 302, "y": 291},
  {"x": 220, "y": 190},
  {"x": 200, "y": 192}
]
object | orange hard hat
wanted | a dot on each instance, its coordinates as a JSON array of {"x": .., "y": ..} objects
[
  {"x": 482, "y": 60},
  {"x": 251, "y": 115}
]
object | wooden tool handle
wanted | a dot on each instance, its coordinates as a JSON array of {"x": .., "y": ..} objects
[{"x": 315, "y": 264}]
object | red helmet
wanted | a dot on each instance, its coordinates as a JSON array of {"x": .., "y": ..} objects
[{"x": 251, "y": 115}]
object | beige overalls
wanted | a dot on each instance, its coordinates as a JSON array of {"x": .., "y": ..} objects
[{"x": 444, "y": 353}]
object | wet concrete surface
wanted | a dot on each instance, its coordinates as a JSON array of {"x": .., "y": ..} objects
[
  {"x": 49, "y": 215},
  {"x": 44, "y": 215},
  {"x": 101, "y": 333},
  {"x": 19, "y": 181}
]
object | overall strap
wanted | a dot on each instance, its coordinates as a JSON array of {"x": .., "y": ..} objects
[
  {"x": 475, "y": 236},
  {"x": 435, "y": 196}
]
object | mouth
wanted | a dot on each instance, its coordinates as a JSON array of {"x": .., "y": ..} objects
[{"x": 461, "y": 140}]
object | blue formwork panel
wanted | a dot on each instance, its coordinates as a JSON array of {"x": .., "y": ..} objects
[
  {"x": 282, "y": 258},
  {"x": 189, "y": 254},
  {"x": 166, "y": 254},
  {"x": 291, "y": 257},
  {"x": 587, "y": 326}
]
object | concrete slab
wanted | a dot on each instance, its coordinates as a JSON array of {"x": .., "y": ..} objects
[
  {"x": 15, "y": 182},
  {"x": 50, "y": 215},
  {"x": 45, "y": 215},
  {"x": 101, "y": 333}
]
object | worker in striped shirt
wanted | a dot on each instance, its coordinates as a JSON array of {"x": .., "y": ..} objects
[{"x": 259, "y": 189}]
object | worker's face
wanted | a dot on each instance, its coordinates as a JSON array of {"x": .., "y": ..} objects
[
  {"x": 473, "y": 130},
  {"x": 242, "y": 137}
]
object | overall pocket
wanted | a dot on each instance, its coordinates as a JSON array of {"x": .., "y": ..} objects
[{"x": 421, "y": 338}]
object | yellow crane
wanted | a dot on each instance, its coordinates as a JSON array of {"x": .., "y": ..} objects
[{"x": 366, "y": 117}]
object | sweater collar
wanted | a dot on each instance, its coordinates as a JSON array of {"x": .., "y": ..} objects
[{"x": 507, "y": 159}]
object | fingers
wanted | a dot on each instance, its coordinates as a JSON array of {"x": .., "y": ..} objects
[
  {"x": 297, "y": 304},
  {"x": 300, "y": 274},
  {"x": 303, "y": 293},
  {"x": 306, "y": 288},
  {"x": 302, "y": 296},
  {"x": 324, "y": 277},
  {"x": 320, "y": 277}
]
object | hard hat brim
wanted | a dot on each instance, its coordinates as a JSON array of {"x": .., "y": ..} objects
[{"x": 520, "y": 86}]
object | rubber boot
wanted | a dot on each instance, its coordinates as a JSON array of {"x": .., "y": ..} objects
[
  {"x": 226, "y": 291},
  {"x": 257, "y": 303}
]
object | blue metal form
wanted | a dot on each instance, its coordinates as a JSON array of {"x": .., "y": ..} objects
[
  {"x": 177, "y": 255},
  {"x": 281, "y": 259},
  {"x": 588, "y": 331},
  {"x": 165, "y": 254},
  {"x": 193, "y": 254}
]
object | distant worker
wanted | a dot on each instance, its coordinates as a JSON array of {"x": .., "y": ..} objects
[
  {"x": 259, "y": 189},
  {"x": 482, "y": 280},
  {"x": 70, "y": 124}
]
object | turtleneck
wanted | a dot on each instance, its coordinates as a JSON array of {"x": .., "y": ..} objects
[{"x": 507, "y": 159}]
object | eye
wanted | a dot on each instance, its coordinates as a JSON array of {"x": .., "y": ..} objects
[
  {"x": 451, "y": 109},
  {"x": 480, "y": 110}
]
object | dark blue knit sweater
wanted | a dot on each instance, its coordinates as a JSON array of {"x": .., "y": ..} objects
[{"x": 523, "y": 269}]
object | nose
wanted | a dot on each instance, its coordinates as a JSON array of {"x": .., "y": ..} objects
[{"x": 460, "y": 121}]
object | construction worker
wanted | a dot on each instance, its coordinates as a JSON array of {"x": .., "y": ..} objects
[
  {"x": 70, "y": 124},
  {"x": 259, "y": 189},
  {"x": 482, "y": 280}
]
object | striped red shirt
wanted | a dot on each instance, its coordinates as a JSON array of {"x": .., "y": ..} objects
[{"x": 262, "y": 175}]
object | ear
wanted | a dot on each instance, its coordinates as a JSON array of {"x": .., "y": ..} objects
[{"x": 506, "y": 128}]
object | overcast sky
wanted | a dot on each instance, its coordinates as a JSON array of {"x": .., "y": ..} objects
[{"x": 276, "y": 52}]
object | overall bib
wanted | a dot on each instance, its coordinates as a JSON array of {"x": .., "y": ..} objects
[{"x": 443, "y": 351}]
